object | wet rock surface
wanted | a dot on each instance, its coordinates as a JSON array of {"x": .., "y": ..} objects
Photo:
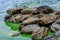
[
  {"x": 47, "y": 19},
  {"x": 45, "y": 9},
  {"x": 33, "y": 20},
  {"x": 38, "y": 35},
  {"x": 30, "y": 28}
]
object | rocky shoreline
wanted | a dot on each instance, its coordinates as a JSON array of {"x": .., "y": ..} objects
[{"x": 35, "y": 20}]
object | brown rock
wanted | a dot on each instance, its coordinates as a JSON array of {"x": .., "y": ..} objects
[
  {"x": 47, "y": 19},
  {"x": 57, "y": 13},
  {"x": 45, "y": 9},
  {"x": 42, "y": 32},
  {"x": 56, "y": 26},
  {"x": 30, "y": 20},
  {"x": 14, "y": 11},
  {"x": 29, "y": 28}
]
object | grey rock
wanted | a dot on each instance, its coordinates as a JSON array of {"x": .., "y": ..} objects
[
  {"x": 30, "y": 20},
  {"x": 46, "y": 19},
  {"x": 30, "y": 28},
  {"x": 45, "y": 9},
  {"x": 42, "y": 32}
]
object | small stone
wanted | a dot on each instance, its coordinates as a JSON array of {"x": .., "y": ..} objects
[
  {"x": 47, "y": 19},
  {"x": 38, "y": 35},
  {"x": 30, "y": 28},
  {"x": 30, "y": 20},
  {"x": 45, "y": 9}
]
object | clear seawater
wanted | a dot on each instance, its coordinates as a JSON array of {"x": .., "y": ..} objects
[{"x": 5, "y": 31}]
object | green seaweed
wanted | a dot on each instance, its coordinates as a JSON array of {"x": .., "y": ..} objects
[{"x": 15, "y": 26}]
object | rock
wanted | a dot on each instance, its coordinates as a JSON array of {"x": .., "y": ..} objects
[
  {"x": 29, "y": 11},
  {"x": 45, "y": 9},
  {"x": 18, "y": 18},
  {"x": 50, "y": 38},
  {"x": 46, "y": 19},
  {"x": 16, "y": 34},
  {"x": 57, "y": 13},
  {"x": 7, "y": 17},
  {"x": 29, "y": 28},
  {"x": 14, "y": 11},
  {"x": 25, "y": 17},
  {"x": 56, "y": 26},
  {"x": 38, "y": 35},
  {"x": 30, "y": 20}
]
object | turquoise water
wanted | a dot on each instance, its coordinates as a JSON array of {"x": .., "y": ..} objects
[{"x": 5, "y": 31}]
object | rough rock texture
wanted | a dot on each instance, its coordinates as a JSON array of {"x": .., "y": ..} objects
[
  {"x": 14, "y": 11},
  {"x": 57, "y": 13},
  {"x": 30, "y": 28},
  {"x": 42, "y": 32},
  {"x": 45, "y": 9},
  {"x": 47, "y": 19},
  {"x": 56, "y": 25},
  {"x": 50, "y": 38},
  {"x": 30, "y": 20}
]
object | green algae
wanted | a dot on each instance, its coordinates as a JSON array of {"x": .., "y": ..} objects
[{"x": 15, "y": 27}]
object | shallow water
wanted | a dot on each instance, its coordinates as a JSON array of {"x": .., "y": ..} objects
[{"x": 5, "y": 31}]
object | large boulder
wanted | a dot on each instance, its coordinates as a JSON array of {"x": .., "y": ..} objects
[
  {"x": 29, "y": 28},
  {"x": 47, "y": 19},
  {"x": 56, "y": 25},
  {"x": 15, "y": 18},
  {"x": 30, "y": 20},
  {"x": 45, "y": 9},
  {"x": 29, "y": 11},
  {"x": 38, "y": 35},
  {"x": 14, "y": 11}
]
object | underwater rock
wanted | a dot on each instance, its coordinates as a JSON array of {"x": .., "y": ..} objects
[
  {"x": 45, "y": 9},
  {"x": 46, "y": 19},
  {"x": 14, "y": 11},
  {"x": 30, "y": 20},
  {"x": 29, "y": 28},
  {"x": 38, "y": 35}
]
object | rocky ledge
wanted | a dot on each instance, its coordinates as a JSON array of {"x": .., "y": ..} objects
[{"x": 35, "y": 20}]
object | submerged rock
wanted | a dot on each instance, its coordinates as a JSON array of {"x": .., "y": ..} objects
[
  {"x": 30, "y": 28},
  {"x": 45, "y": 9},
  {"x": 38, "y": 35},
  {"x": 46, "y": 19},
  {"x": 14, "y": 11},
  {"x": 30, "y": 20}
]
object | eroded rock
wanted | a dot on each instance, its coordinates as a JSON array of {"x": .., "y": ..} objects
[
  {"x": 42, "y": 32},
  {"x": 56, "y": 26},
  {"x": 30, "y": 20},
  {"x": 14, "y": 11},
  {"x": 30, "y": 28},
  {"x": 47, "y": 19},
  {"x": 45, "y": 9}
]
